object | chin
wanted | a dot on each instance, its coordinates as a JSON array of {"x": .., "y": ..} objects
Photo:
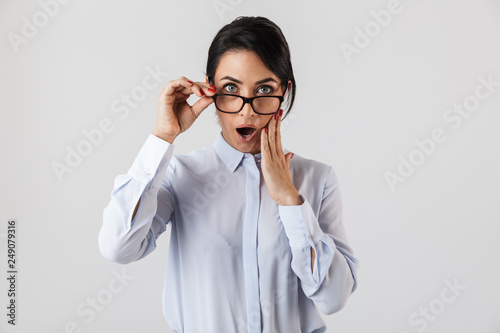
[
  {"x": 250, "y": 147},
  {"x": 244, "y": 144}
]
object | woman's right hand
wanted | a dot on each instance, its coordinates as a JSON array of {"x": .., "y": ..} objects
[{"x": 175, "y": 115}]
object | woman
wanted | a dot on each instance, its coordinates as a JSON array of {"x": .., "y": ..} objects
[{"x": 257, "y": 242}]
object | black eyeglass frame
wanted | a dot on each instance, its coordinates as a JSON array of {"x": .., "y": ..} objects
[{"x": 250, "y": 101}]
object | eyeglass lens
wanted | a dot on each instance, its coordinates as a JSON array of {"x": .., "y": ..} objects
[{"x": 260, "y": 104}]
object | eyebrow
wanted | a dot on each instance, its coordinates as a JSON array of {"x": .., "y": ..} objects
[{"x": 239, "y": 82}]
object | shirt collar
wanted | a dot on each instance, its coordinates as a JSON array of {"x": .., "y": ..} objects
[{"x": 229, "y": 155}]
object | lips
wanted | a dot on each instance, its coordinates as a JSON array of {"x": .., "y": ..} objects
[{"x": 246, "y": 132}]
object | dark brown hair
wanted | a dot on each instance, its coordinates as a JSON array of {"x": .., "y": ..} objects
[{"x": 264, "y": 38}]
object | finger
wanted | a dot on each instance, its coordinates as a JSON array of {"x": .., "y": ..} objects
[
  {"x": 201, "y": 105},
  {"x": 205, "y": 89},
  {"x": 182, "y": 84},
  {"x": 272, "y": 135},
  {"x": 264, "y": 145},
  {"x": 279, "y": 148},
  {"x": 187, "y": 87},
  {"x": 198, "y": 91},
  {"x": 288, "y": 158}
]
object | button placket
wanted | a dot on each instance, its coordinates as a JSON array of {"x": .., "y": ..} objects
[{"x": 250, "y": 260}]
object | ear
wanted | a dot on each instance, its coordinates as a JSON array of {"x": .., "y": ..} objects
[{"x": 289, "y": 87}]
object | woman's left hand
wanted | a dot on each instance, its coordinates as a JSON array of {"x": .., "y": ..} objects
[{"x": 276, "y": 166}]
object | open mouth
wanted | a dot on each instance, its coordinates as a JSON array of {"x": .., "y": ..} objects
[{"x": 246, "y": 133}]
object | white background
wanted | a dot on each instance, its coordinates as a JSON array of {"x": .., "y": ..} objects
[{"x": 441, "y": 224}]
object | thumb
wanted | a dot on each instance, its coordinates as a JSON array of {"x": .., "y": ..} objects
[{"x": 201, "y": 105}]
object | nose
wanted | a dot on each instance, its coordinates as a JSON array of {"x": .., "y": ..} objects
[{"x": 247, "y": 111}]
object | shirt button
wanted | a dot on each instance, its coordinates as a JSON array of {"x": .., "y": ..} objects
[
  {"x": 309, "y": 236},
  {"x": 148, "y": 175}
]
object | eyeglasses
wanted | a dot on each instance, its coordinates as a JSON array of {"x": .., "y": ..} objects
[{"x": 264, "y": 105}]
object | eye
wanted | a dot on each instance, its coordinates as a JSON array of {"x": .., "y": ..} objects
[
  {"x": 230, "y": 88},
  {"x": 265, "y": 90}
]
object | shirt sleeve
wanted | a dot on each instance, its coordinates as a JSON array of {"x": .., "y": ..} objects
[
  {"x": 121, "y": 239},
  {"x": 333, "y": 277}
]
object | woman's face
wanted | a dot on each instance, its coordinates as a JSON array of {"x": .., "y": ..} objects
[{"x": 243, "y": 73}]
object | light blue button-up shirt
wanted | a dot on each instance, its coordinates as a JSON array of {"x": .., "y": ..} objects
[{"x": 237, "y": 262}]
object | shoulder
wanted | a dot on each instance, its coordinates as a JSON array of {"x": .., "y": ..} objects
[
  {"x": 313, "y": 179},
  {"x": 311, "y": 173},
  {"x": 306, "y": 165},
  {"x": 195, "y": 154},
  {"x": 199, "y": 160}
]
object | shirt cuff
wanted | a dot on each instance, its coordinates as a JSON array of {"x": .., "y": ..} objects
[
  {"x": 152, "y": 160},
  {"x": 301, "y": 225}
]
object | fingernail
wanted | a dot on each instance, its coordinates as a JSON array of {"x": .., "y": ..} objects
[
  {"x": 281, "y": 112},
  {"x": 202, "y": 92},
  {"x": 265, "y": 129},
  {"x": 292, "y": 155},
  {"x": 190, "y": 82},
  {"x": 213, "y": 87},
  {"x": 211, "y": 90},
  {"x": 275, "y": 116}
]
